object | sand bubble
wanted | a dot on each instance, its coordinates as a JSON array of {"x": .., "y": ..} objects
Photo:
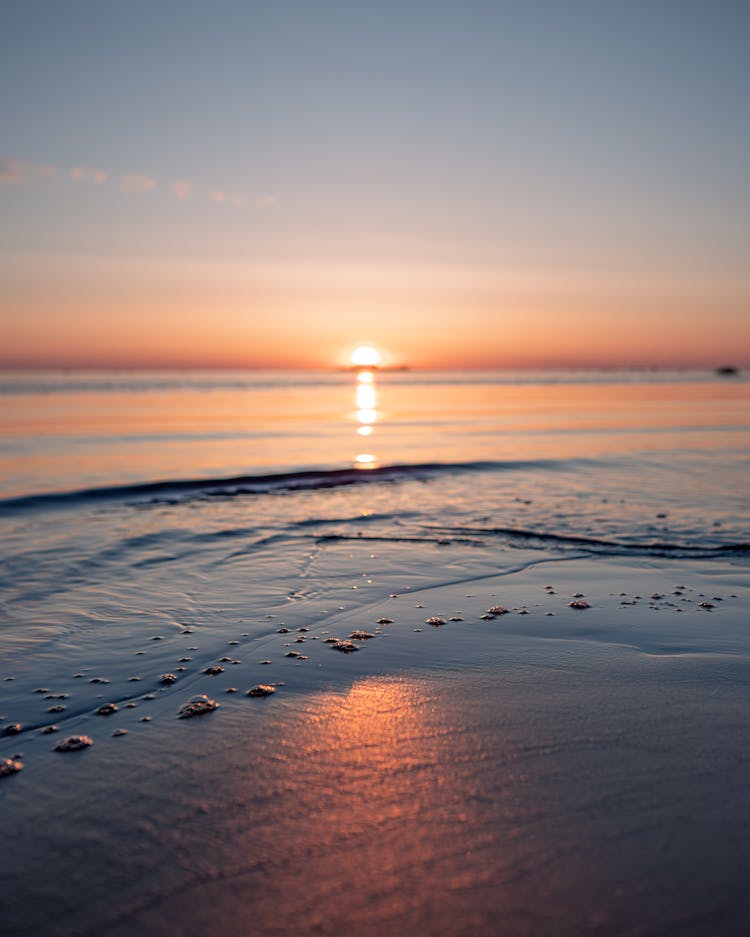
[
  {"x": 261, "y": 689},
  {"x": 73, "y": 743},
  {"x": 197, "y": 706}
]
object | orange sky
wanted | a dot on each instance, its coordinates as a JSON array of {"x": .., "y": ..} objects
[
  {"x": 520, "y": 185},
  {"x": 128, "y": 314}
]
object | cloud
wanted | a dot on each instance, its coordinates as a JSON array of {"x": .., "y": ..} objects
[
  {"x": 16, "y": 173},
  {"x": 13, "y": 172},
  {"x": 81, "y": 174},
  {"x": 134, "y": 183},
  {"x": 225, "y": 198},
  {"x": 36, "y": 170},
  {"x": 181, "y": 189}
]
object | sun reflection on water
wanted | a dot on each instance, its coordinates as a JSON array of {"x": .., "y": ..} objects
[
  {"x": 365, "y": 396},
  {"x": 366, "y": 399}
]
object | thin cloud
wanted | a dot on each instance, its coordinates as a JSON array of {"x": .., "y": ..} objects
[
  {"x": 134, "y": 183},
  {"x": 17, "y": 173},
  {"x": 226, "y": 198},
  {"x": 82, "y": 174},
  {"x": 13, "y": 172},
  {"x": 181, "y": 189}
]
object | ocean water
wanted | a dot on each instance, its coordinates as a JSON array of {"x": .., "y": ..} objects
[{"x": 124, "y": 495}]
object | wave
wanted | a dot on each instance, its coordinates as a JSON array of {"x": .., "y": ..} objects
[
  {"x": 595, "y": 544},
  {"x": 407, "y": 524},
  {"x": 179, "y": 489}
]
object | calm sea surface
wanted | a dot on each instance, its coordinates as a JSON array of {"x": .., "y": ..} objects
[
  {"x": 631, "y": 457},
  {"x": 132, "y": 495}
]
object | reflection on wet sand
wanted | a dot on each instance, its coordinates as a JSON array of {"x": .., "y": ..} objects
[
  {"x": 451, "y": 803},
  {"x": 402, "y": 821},
  {"x": 369, "y": 810}
]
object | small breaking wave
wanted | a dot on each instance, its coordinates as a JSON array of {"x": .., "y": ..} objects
[
  {"x": 171, "y": 490},
  {"x": 544, "y": 539}
]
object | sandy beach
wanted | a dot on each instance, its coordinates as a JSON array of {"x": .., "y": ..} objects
[{"x": 545, "y": 769}]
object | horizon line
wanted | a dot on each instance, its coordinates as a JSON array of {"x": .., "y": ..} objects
[{"x": 333, "y": 368}]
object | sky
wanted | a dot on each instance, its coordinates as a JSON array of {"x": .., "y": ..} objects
[{"x": 459, "y": 184}]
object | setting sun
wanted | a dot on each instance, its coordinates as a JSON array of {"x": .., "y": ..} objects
[{"x": 365, "y": 356}]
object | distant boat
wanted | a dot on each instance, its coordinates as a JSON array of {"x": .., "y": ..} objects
[{"x": 726, "y": 370}]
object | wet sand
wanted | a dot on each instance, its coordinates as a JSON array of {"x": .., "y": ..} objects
[{"x": 553, "y": 769}]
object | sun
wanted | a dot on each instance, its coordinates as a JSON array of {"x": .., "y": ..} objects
[{"x": 365, "y": 356}]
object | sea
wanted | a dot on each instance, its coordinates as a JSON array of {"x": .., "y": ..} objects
[
  {"x": 117, "y": 484},
  {"x": 105, "y": 475}
]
